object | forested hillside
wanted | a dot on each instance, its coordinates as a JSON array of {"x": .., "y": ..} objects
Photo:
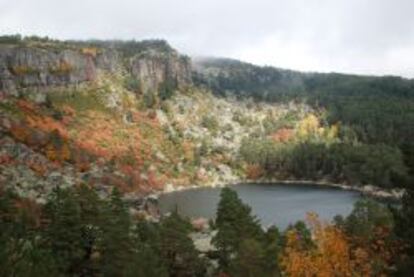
[
  {"x": 375, "y": 115},
  {"x": 90, "y": 129}
]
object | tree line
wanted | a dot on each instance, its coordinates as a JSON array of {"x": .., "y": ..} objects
[{"x": 78, "y": 234}]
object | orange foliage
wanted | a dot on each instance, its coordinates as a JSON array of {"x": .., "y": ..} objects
[
  {"x": 30, "y": 211},
  {"x": 254, "y": 171},
  {"x": 46, "y": 124},
  {"x": 90, "y": 51},
  {"x": 39, "y": 168},
  {"x": 23, "y": 70},
  {"x": 380, "y": 251},
  {"x": 26, "y": 106},
  {"x": 330, "y": 256},
  {"x": 58, "y": 153},
  {"x": 5, "y": 159},
  {"x": 283, "y": 135},
  {"x": 153, "y": 180},
  {"x": 64, "y": 67},
  {"x": 20, "y": 132}
]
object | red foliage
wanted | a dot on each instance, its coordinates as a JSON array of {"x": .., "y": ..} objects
[
  {"x": 283, "y": 135},
  {"x": 81, "y": 159},
  {"x": 6, "y": 159},
  {"x": 90, "y": 68},
  {"x": 20, "y": 132},
  {"x": 31, "y": 210},
  {"x": 153, "y": 180},
  {"x": 254, "y": 171},
  {"x": 26, "y": 106}
]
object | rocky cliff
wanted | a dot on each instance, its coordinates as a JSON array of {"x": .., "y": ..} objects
[
  {"x": 27, "y": 66},
  {"x": 154, "y": 69}
]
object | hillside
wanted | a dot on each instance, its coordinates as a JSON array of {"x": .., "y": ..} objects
[
  {"x": 142, "y": 117},
  {"x": 90, "y": 130}
]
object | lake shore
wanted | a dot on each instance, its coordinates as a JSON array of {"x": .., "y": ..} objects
[{"x": 367, "y": 190}]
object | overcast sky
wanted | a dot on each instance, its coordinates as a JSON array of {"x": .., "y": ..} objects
[{"x": 359, "y": 36}]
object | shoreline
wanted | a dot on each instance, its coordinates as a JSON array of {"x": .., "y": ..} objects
[{"x": 367, "y": 190}]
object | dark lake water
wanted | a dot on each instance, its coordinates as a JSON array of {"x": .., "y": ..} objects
[{"x": 278, "y": 204}]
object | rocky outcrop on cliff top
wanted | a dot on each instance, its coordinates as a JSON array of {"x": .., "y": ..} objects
[
  {"x": 154, "y": 69},
  {"x": 23, "y": 67}
]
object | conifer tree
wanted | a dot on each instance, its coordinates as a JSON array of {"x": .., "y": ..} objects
[
  {"x": 177, "y": 248},
  {"x": 234, "y": 223},
  {"x": 64, "y": 230},
  {"x": 115, "y": 247}
]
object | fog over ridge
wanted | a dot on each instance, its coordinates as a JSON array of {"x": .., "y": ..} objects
[{"x": 361, "y": 37}]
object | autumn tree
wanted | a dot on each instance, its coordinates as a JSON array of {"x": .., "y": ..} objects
[{"x": 329, "y": 257}]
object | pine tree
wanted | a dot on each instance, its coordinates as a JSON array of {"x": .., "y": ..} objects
[
  {"x": 234, "y": 223},
  {"x": 147, "y": 259},
  {"x": 272, "y": 247},
  {"x": 23, "y": 251},
  {"x": 115, "y": 247},
  {"x": 64, "y": 230},
  {"x": 250, "y": 260},
  {"x": 404, "y": 228},
  {"x": 177, "y": 248}
]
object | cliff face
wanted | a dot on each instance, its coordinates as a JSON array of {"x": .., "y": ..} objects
[
  {"x": 34, "y": 67},
  {"x": 25, "y": 67},
  {"x": 154, "y": 69}
]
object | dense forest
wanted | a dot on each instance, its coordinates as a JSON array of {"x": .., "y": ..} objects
[
  {"x": 77, "y": 234},
  {"x": 375, "y": 117}
]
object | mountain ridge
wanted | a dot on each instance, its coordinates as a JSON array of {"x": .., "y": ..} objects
[{"x": 145, "y": 118}]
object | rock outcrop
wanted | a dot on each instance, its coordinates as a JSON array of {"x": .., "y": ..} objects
[
  {"x": 23, "y": 67},
  {"x": 26, "y": 67},
  {"x": 154, "y": 69}
]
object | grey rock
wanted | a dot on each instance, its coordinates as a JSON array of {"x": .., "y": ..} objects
[
  {"x": 153, "y": 69},
  {"x": 31, "y": 67}
]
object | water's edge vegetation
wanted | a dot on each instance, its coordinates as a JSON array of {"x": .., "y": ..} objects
[
  {"x": 394, "y": 194},
  {"x": 77, "y": 233}
]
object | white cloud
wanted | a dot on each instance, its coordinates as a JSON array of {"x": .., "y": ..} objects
[{"x": 360, "y": 36}]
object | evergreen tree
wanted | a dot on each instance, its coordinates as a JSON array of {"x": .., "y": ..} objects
[
  {"x": 250, "y": 260},
  {"x": 404, "y": 228},
  {"x": 177, "y": 248},
  {"x": 64, "y": 230},
  {"x": 234, "y": 223},
  {"x": 116, "y": 252},
  {"x": 147, "y": 259},
  {"x": 272, "y": 247},
  {"x": 22, "y": 248},
  {"x": 91, "y": 221}
]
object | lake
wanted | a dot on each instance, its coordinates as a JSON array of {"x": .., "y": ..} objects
[{"x": 278, "y": 204}]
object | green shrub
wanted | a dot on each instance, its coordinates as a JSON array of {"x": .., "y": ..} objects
[
  {"x": 132, "y": 84},
  {"x": 211, "y": 123}
]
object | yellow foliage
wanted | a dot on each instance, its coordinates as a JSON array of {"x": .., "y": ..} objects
[
  {"x": 23, "y": 70},
  {"x": 331, "y": 255},
  {"x": 58, "y": 154},
  {"x": 90, "y": 51},
  {"x": 64, "y": 67},
  {"x": 308, "y": 126},
  {"x": 332, "y": 132}
]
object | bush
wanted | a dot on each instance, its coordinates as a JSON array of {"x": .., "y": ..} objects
[
  {"x": 63, "y": 68},
  {"x": 211, "y": 123},
  {"x": 150, "y": 100},
  {"x": 23, "y": 70},
  {"x": 11, "y": 39},
  {"x": 132, "y": 84}
]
